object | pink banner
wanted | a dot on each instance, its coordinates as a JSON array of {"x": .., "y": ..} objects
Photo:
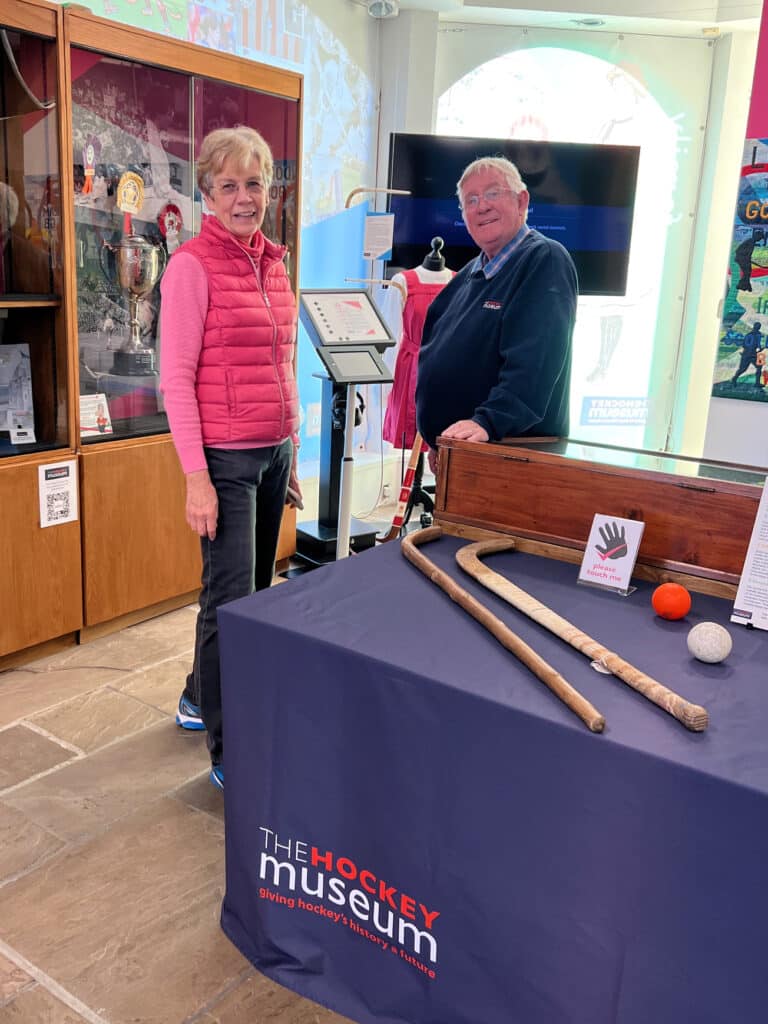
[{"x": 757, "y": 121}]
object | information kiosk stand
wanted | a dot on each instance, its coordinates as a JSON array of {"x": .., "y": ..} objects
[{"x": 349, "y": 335}]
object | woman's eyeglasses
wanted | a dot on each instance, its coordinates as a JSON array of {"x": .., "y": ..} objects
[
  {"x": 491, "y": 195},
  {"x": 253, "y": 187}
]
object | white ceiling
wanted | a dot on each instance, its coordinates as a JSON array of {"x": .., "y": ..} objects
[{"x": 656, "y": 17}]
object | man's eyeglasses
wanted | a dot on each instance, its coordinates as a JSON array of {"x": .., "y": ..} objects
[
  {"x": 491, "y": 195},
  {"x": 253, "y": 187}
]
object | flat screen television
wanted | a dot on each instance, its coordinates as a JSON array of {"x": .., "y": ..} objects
[{"x": 582, "y": 194}]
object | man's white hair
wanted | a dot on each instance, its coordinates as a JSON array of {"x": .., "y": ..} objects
[{"x": 500, "y": 164}]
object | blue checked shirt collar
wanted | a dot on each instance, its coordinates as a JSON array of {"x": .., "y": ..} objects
[{"x": 491, "y": 267}]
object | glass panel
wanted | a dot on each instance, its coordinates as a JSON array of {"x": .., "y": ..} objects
[
  {"x": 32, "y": 349},
  {"x": 218, "y": 105},
  {"x": 133, "y": 207},
  {"x": 676, "y": 465},
  {"x": 30, "y": 208}
]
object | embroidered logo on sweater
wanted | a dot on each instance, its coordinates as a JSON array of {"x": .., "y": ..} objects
[{"x": 491, "y": 304}]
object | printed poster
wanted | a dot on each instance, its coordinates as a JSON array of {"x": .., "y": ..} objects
[
  {"x": 740, "y": 367},
  {"x": 16, "y": 408}
]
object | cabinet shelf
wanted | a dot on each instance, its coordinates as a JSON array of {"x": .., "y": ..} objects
[
  {"x": 9, "y": 450},
  {"x": 29, "y": 301}
]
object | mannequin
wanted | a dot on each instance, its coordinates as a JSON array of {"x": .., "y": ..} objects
[
  {"x": 406, "y": 320},
  {"x": 434, "y": 260},
  {"x": 421, "y": 286}
]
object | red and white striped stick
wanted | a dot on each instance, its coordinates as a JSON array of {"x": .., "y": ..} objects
[{"x": 405, "y": 491}]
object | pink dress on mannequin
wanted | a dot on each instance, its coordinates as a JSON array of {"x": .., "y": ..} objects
[{"x": 400, "y": 418}]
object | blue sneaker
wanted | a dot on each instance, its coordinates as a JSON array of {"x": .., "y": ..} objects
[
  {"x": 217, "y": 775},
  {"x": 188, "y": 716}
]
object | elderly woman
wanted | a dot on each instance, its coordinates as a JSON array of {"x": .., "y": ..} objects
[{"x": 228, "y": 325}]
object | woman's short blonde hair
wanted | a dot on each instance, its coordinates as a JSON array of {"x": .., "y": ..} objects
[{"x": 241, "y": 145}]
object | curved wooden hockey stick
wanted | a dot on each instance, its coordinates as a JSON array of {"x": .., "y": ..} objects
[
  {"x": 405, "y": 491},
  {"x": 548, "y": 675},
  {"x": 692, "y": 716}
]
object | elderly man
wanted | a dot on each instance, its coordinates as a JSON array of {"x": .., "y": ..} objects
[{"x": 495, "y": 356}]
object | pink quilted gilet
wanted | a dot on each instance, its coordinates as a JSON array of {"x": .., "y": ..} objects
[{"x": 245, "y": 387}]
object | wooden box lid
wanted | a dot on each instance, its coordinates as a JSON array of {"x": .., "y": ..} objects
[{"x": 698, "y": 516}]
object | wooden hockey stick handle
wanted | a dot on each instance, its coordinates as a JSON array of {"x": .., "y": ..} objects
[
  {"x": 692, "y": 716},
  {"x": 542, "y": 669}
]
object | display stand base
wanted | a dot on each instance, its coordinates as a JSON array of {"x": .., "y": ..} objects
[
  {"x": 621, "y": 591},
  {"x": 317, "y": 542},
  {"x": 297, "y": 570},
  {"x": 134, "y": 364}
]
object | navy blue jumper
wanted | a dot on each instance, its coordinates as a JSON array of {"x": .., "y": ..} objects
[{"x": 498, "y": 350}]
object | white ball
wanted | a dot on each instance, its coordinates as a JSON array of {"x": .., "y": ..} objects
[{"x": 710, "y": 642}]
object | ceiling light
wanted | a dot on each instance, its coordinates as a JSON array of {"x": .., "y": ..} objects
[
  {"x": 588, "y": 22},
  {"x": 383, "y": 8}
]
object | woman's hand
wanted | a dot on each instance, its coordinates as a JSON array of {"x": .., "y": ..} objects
[
  {"x": 294, "y": 497},
  {"x": 202, "y": 508}
]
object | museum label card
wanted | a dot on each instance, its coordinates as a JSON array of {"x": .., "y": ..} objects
[
  {"x": 21, "y": 427},
  {"x": 751, "y": 605},
  {"x": 611, "y": 552},
  {"x": 94, "y": 415},
  {"x": 379, "y": 229}
]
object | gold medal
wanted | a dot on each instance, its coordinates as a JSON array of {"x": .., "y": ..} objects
[{"x": 130, "y": 192}]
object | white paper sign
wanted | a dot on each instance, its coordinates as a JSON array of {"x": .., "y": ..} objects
[
  {"x": 611, "y": 553},
  {"x": 379, "y": 229},
  {"x": 94, "y": 416},
  {"x": 345, "y": 317},
  {"x": 21, "y": 427},
  {"x": 751, "y": 605},
  {"x": 57, "y": 488}
]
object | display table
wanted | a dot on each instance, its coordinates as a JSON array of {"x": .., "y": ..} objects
[{"x": 418, "y": 832}]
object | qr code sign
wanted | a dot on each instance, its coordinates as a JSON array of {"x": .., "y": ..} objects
[{"x": 57, "y": 506}]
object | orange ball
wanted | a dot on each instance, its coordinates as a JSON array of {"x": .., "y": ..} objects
[{"x": 671, "y": 601}]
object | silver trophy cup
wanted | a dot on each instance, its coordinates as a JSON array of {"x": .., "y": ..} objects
[{"x": 138, "y": 266}]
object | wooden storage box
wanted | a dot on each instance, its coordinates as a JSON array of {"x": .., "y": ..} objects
[{"x": 698, "y": 516}]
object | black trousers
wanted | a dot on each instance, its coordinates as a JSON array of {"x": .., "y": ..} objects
[{"x": 251, "y": 485}]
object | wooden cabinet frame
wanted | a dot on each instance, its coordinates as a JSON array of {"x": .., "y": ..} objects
[
  {"x": 41, "y": 577},
  {"x": 137, "y": 548},
  {"x": 132, "y": 553}
]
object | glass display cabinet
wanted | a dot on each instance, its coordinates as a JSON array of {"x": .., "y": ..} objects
[
  {"x": 135, "y": 132},
  {"x": 40, "y": 583},
  {"x": 141, "y": 105},
  {"x": 133, "y": 203},
  {"x": 32, "y": 352},
  {"x": 100, "y": 125}
]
